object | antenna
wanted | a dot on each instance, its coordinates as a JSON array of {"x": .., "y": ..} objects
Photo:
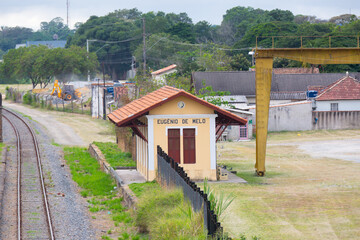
[{"x": 67, "y": 12}]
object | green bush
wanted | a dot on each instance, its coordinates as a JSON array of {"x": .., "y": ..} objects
[
  {"x": 27, "y": 98},
  {"x": 164, "y": 214}
]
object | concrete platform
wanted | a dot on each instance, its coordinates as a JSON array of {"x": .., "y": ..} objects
[
  {"x": 232, "y": 178},
  {"x": 129, "y": 176}
]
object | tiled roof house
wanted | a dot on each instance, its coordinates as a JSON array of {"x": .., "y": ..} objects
[{"x": 342, "y": 95}]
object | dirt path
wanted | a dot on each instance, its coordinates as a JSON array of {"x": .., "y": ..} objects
[
  {"x": 60, "y": 132},
  {"x": 67, "y": 128}
]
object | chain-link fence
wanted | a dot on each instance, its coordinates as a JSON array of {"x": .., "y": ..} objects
[
  {"x": 171, "y": 174},
  {"x": 47, "y": 101}
]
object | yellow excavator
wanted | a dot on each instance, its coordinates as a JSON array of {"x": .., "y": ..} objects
[{"x": 68, "y": 94}]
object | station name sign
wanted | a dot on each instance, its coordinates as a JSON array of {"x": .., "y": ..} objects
[{"x": 174, "y": 121}]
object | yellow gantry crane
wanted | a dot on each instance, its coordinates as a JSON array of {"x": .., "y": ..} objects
[{"x": 263, "y": 76}]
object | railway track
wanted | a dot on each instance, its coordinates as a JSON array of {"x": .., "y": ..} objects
[{"x": 33, "y": 214}]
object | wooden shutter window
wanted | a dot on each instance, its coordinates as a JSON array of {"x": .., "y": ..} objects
[
  {"x": 174, "y": 144},
  {"x": 189, "y": 145}
]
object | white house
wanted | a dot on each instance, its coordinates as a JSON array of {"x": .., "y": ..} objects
[
  {"x": 160, "y": 74},
  {"x": 342, "y": 95}
]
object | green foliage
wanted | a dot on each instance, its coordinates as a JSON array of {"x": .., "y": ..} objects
[
  {"x": 217, "y": 204},
  {"x": 114, "y": 156},
  {"x": 40, "y": 64},
  {"x": 139, "y": 188},
  {"x": 207, "y": 93},
  {"x": 165, "y": 215},
  {"x": 86, "y": 172},
  {"x": 27, "y": 98}
]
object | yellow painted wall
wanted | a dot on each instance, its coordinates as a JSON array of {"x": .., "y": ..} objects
[
  {"x": 201, "y": 168},
  {"x": 191, "y": 107}
]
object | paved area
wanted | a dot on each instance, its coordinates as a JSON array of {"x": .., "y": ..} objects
[
  {"x": 348, "y": 149},
  {"x": 130, "y": 176},
  {"x": 232, "y": 178},
  {"x": 345, "y": 149}
]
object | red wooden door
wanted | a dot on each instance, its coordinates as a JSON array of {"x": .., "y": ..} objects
[
  {"x": 189, "y": 145},
  {"x": 174, "y": 144}
]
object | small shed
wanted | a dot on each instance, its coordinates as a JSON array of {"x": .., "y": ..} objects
[{"x": 185, "y": 127}]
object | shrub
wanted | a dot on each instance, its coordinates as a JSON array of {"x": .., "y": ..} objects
[
  {"x": 27, "y": 98},
  {"x": 165, "y": 215}
]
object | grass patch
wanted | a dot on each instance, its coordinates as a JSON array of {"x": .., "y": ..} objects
[
  {"x": 2, "y": 145},
  {"x": 86, "y": 172},
  {"x": 164, "y": 214},
  {"x": 139, "y": 188},
  {"x": 114, "y": 156},
  {"x": 99, "y": 188}
]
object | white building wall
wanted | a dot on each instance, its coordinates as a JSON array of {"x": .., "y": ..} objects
[
  {"x": 343, "y": 105},
  {"x": 97, "y": 101},
  {"x": 289, "y": 117}
]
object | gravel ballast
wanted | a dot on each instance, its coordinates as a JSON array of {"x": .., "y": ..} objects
[{"x": 68, "y": 209}]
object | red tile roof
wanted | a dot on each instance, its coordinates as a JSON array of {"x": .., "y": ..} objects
[
  {"x": 163, "y": 70},
  {"x": 139, "y": 107},
  {"x": 346, "y": 88}
]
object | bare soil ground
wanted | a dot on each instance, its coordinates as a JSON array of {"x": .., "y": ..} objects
[{"x": 311, "y": 189}]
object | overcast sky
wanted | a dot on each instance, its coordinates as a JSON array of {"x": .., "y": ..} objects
[{"x": 29, "y": 13}]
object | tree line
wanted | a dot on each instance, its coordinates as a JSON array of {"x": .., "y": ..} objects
[
  {"x": 40, "y": 64},
  {"x": 117, "y": 39}
]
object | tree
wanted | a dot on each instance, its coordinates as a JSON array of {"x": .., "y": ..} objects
[
  {"x": 10, "y": 36},
  {"x": 343, "y": 19},
  {"x": 281, "y": 15},
  {"x": 184, "y": 31},
  {"x": 40, "y": 64},
  {"x": 55, "y": 29},
  {"x": 240, "y": 63},
  {"x": 122, "y": 36}
]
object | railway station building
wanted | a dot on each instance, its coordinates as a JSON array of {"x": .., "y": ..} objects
[{"x": 184, "y": 126}]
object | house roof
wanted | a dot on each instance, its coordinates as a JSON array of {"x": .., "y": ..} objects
[
  {"x": 164, "y": 70},
  {"x": 346, "y": 88},
  {"x": 125, "y": 115},
  {"x": 49, "y": 44},
  {"x": 295, "y": 70},
  {"x": 243, "y": 83}
]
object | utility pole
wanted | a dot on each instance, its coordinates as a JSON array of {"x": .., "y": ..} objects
[{"x": 144, "y": 45}]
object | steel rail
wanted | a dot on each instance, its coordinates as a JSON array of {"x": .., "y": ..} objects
[
  {"x": 18, "y": 154},
  {"x": 38, "y": 157}
]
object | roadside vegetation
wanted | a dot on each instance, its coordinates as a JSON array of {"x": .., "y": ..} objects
[
  {"x": 114, "y": 156},
  {"x": 160, "y": 214},
  {"x": 164, "y": 214},
  {"x": 100, "y": 190}
]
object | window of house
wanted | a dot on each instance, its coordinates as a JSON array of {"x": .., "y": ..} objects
[
  {"x": 189, "y": 153},
  {"x": 174, "y": 144},
  {"x": 334, "y": 107},
  {"x": 189, "y": 145}
]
